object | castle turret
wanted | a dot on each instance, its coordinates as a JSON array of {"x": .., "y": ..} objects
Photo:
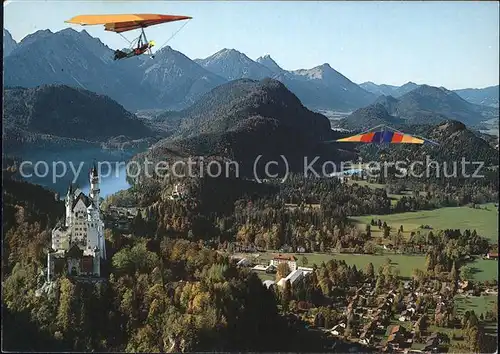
[
  {"x": 96, "y": 262},
  {"x": 94, "y": 186},
  {"x": 68, "y": 203}
]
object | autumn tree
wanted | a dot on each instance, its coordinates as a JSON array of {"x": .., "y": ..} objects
[
  {"x": 465, "y": 273},
  {"x": 369, "y": 271},
  {"x": 282, "y": 271}
]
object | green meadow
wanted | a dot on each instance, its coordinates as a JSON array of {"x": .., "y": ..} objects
[
  {"x": 404, "y": 263},
  {"x": 484, "y": 221}
]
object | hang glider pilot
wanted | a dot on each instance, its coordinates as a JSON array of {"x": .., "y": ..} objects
[{"x": 141, "y": 49}]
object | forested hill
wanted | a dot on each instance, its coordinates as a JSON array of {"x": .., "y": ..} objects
[
  {"x": 455, "y": 141},
  {"x": 59, "y": 111},
  {"x": 160, "y": 295},
  {"x": 246, "y": 118},
  {"x": 229, "y": 106}
]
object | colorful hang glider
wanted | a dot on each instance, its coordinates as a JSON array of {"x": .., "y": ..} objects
[
  {"x": 385, "y": 135},
  {"x": 124, "y": 23}
]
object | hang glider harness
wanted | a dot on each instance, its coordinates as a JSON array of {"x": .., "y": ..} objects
[
  {"x": 140, "y": 41},
  {"x": 123, "y": 23}
]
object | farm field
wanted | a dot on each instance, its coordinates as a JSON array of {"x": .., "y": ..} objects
[
  {"x": 405, "y": 263},
  {"x": 485, "y": 222},
  {"x": 480, "y": 304},
  {"x": 484, "y": 269}
]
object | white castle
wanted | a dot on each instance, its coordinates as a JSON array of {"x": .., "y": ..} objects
[{"x": 78, "y": 242}]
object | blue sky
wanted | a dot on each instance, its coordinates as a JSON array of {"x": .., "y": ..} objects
[{"x": 451, "y": 44}]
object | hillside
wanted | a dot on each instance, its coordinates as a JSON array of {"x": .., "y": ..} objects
[
  {"x": 388, "y": 90},
  {"x": 245, "y": 118},
  {"x": 369, "y": 117},
  {"x": 229, "y": 105},
  {"x": 423, "y": 105},
  {"x": 323, "y": 87},
  {"x": 9, "y": 44},
  {"x": 440, "y": 101},
  {"x": 455, "y": 140},
  {"x": 75, "y": 59},
  {"x": 487, "y": 96},
  {"x": 177, "y": 81},
  {"x": 33, "y": 115}
]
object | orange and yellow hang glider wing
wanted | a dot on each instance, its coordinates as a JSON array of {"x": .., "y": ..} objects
[
  {"x": 383, "y": 134},
  {"x": 123, "y": 23}
]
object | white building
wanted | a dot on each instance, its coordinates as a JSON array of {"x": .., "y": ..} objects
[
  {"x": 292, "y": 277},
  {"x": 268, "y": 283},
  {"x": 289, "y": 259},
  {"x": 243, "y": 263},
  {"x": 78, "y": 242}
]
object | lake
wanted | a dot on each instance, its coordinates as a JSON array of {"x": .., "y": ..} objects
[
  {"x": 56, "y": 169},
  {"x": 346, "y": 172}
]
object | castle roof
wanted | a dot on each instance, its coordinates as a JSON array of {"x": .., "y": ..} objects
[
  {"x": 74, "y": 252},
  {"x": 284, "y": 257},
  {"x": 93, "y": 171},
  {"x": 86, "y": 200},
  {"x": 61, "y": 227}
]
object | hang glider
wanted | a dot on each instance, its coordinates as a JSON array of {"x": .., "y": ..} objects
[
  {"x": 383, "y": 134},
  {"x": 129, "y": 22}
]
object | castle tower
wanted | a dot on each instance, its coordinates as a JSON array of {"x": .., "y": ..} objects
[
  {"x": 97, "y": 262},
  {"x": 94, "y": 186},
  {"x": 94, "y": 194},
  {"x": 68, "y": 203},
  {"x": 50, "y": 264}
]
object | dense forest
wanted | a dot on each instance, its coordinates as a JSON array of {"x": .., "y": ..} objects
[
  {"x": 311, "y": 213},
  {"x": 157, "y": 294}
]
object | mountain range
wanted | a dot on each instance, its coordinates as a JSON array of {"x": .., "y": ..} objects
[
  {"x": 240, "y": 120},
  {"x": 388, "y": 90},
  {"x": 423, "y": 105},
  {"x": 173, "y": 81},
  {"x": 76, "y": 59},
  {"x": 321, "y": 87},
  {"x": 246, "y": 118},
  {"x": 487, "y": 96}
]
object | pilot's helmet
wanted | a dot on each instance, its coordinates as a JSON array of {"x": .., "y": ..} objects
[{"x": 152, "y": 43}]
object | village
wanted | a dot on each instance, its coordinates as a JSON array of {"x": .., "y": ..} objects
[{"x": 419, "y": 316}]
